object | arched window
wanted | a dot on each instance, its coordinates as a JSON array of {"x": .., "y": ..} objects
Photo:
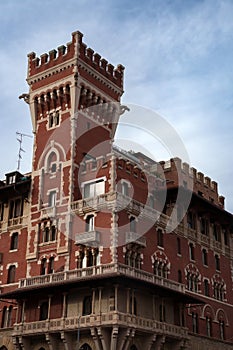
[
  {"x": 132, "y": 224},
  {"x": 11, "y": 274},
  {"x": 52, "y": 161},
  {"x": 51, "y": 265},
  {"x": 160, "y": 269},
  {"x": 87, "y": 305},
  {"x": 192, "y": 282},
  {"x": 14, "y": 241},
  {"x": 133, "y": 347},
  {"x": 43, "y": 266},
  {"x": 90, "y": 224},
  {"x": 53, "y": 233},
  {"x": 3, "y": 348}
]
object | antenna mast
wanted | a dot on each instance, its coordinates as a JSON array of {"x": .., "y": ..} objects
[{"x": 20, "y": 140}]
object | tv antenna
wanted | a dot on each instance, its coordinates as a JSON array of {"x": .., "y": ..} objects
[{"x": 20, "y": 137}]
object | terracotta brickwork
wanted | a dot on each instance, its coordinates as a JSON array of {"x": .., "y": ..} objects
[{"x": 90, "y": 258}]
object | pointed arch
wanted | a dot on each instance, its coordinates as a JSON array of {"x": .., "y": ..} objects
[
  {"x": 160, "y": 264},
  {"x": 221, "y": 315},
  {"x": 208, "y": 310}
]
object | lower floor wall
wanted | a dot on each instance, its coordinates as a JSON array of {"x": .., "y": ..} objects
[{"x": 110, "y": 338}]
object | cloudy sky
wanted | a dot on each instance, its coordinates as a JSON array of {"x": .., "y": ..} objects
[{"x": 178, "y": 57}]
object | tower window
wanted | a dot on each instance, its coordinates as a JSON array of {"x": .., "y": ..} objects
[
  {"x": 52, "y": 198},
  {"x": 94, "y": 188},
  {"x": 90, "y": 223},
  {"x": 132, "y": 224},
  {"x": 125, "y": 188},
  {"x": 54, "y": 119}
]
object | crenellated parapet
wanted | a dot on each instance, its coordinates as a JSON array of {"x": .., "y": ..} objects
[
  {"x": 75, "y": 53},
  {"x": 179, "y": 173}
]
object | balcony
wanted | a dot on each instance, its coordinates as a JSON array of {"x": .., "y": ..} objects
[
  {"x": 133, "y": 237},
  {"x": 105, "y": 319},
  {"x": 91, "y": 238},
  {"x": 49, "y": 212},
  {"x": 15, "y": 221},
  {"x": 99, "y": 271},
  {"x": 113, "y": 200}
]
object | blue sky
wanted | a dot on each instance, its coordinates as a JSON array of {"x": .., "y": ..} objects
[{"x": 178, "y": 57}]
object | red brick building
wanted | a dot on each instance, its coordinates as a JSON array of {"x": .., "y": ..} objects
[{"x": 91, "y": 255}]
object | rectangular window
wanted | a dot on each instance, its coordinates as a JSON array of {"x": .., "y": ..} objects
[
  {"x": 15, "y": 208},
  {"x": 160, "y": 238},
  {"x": 125, "y": 189},
  {"x": 94, "y": 188},
  {"x": 52, "y": 198}
]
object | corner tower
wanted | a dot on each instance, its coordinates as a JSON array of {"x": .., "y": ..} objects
[{"x": 65, "y": 85}]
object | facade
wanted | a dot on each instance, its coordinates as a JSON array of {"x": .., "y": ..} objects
[{"x": 96, "y": 252}]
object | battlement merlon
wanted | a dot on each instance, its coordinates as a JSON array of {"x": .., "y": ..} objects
[
  {"x": 76, "y": 50},
  {"x": 202, "y": 185}
]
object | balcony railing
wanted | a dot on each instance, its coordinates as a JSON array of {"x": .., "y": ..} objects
[
  {"x": 133, "y": 237},
  {"x": 49, "y": 212},
  {"x": 105, "y": 319},
  {"x": 99, "y": 270},
  {"x": 15, "y": 221},
  {"x": 88, "y": 238},
  {"x": 117, "y": 200}
]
